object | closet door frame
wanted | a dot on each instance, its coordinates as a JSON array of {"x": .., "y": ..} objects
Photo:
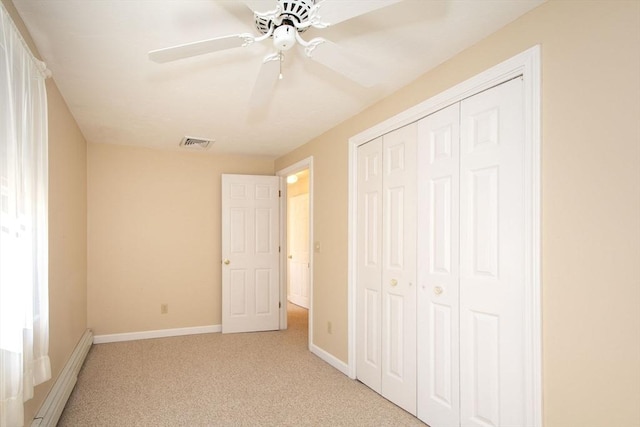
[{"x": 526, "y": 65}]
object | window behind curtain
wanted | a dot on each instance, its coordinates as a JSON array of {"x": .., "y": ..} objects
[{"x": 24, "y": 311}]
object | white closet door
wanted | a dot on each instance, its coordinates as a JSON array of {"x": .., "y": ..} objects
[
  {"x": 491, "y": 258},
  {"x": 386, "y": 278},
  {"x": 369, "y": 264},
  {"x": 399, "y": 268},
  {"x": 438, "y": 268}
]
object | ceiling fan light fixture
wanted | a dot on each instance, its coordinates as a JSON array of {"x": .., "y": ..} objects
[
  {"x": 285, "y": 22},
  {"x": 284, "y": 37}
]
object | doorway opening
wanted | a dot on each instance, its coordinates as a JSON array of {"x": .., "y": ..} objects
[{"x": 297, "y": 236}]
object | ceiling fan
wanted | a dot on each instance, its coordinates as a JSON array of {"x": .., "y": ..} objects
[{"x": 284, "y": 21}]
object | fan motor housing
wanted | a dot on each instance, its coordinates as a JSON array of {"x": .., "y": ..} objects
[
  {"x": 296, "y": 11},
  {"x": 284, "y": 37}
]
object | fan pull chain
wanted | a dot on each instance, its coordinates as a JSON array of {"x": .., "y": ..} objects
[{"x": 280, "y": 76}]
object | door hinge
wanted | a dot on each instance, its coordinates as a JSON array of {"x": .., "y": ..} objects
[
  {"x": 280, "y": 304},
  {"x": 279, "y": 193},
  {"x": 279, "y": 249}
]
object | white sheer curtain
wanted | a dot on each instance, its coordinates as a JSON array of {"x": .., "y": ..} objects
[{"x": 24, "y": 304}]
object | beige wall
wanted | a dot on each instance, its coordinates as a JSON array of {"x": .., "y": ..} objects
[
  {"x": 329, "y": 231},
  {"x": 67, "y": 232},
  {"x": 154, "y": 236},
  {"x": 590, "y": 202},
  {"x": 67, "y": 237},
  {"x": 590, "y": 217}
]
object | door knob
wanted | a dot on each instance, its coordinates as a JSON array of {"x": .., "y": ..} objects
[
  {"x": 227, "y": 262},
  {"x": 394, "y": 282},
  {"x": 290, "y": 257},
  {"x": 438, "y": 290}
]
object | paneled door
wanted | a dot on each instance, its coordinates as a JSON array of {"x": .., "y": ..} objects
[
  {"x": 298, "y": 247},
  {"x": 492, "y": 254},
  {"x": 399, "y": 267},
  {"x": 386, "y": 290},
  {"x": 438, "y": 267},
  {"x": 369, "y": 265},
  {"x": 471, "y": 252},
  {"x": 250, "y": 253}
]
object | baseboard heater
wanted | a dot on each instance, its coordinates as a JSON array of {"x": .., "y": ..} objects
[{"x": 53, "y": 405}]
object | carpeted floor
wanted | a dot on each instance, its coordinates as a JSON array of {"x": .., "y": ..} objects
[{"x": 254, "y": 379}]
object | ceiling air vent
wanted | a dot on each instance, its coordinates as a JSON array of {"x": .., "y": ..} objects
[{"x": 196, "y": 143}]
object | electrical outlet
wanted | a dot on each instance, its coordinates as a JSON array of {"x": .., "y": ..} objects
[
  {"x": 329, "y": 327},
  {"x": 164, "y": 308}
]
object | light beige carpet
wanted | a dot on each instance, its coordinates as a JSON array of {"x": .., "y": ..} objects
[{"x": 254, "y": 379}]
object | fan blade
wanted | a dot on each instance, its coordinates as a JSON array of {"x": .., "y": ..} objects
[
  {"x": 334, "y": 11},
  {"x": 344, "y": 62},
  {"x": 199, "y": 48},
  {"x": 266, "y": 81},
  {"x": 261, "y": 6}
]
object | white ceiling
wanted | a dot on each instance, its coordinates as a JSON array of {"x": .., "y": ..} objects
[{"x": 97, "y": 51}]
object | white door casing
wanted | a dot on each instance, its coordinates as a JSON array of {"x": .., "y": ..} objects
[
  {"x": 298, "y": 248},
  {"x": 492, "y": 252},
  {"x": 250, "y": 253},
  {"x": 438, "y": 267}
]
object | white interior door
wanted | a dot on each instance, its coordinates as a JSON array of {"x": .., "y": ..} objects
[
  {"x": 369, "y": 265},
  {"x": 399, "y": 267},
  {"x": 386, "y": 278},
  {"x": 480, "y": 233},
  {"x": 438, "y": 267},
  {"x": 298, "y": 247},
  {"x": 250, "y": 253},
  {"x": 492, "y": 230}
]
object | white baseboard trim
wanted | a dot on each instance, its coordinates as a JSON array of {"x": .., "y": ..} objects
[
  {"x": 299, "y": 301},
  {"x": 330, "y": 359},
  {"x": 162, "y": 333},
  {"x": 52, "y": 407}
]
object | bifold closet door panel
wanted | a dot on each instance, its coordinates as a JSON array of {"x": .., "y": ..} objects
[
  {"x": 441, "y": 289},
  {"x": 492, "y": 227},
  {"x": 386, "y": 276},
  {"x": 399, "y": 267},
  {"x": 438, "y": 267},
  {"x": 369, "y": 264}
]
